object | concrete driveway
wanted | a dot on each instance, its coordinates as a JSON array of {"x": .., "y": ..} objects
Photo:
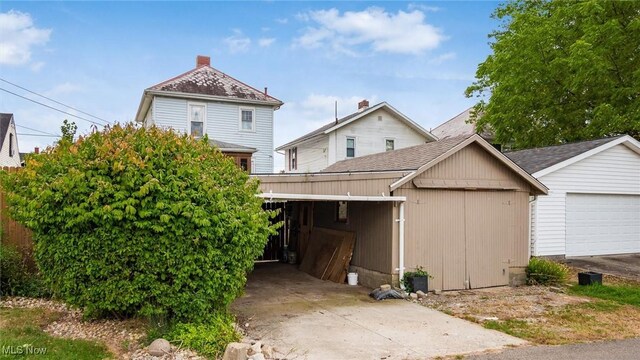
[
  {"x": 627, "y": 266},
  {"x": 307, "y": 318}
]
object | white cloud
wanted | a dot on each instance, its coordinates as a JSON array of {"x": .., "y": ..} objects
[
  {"x": 443, "y": 58},
  {"x": 237, "y": 42},
  {"x": 423, "y": 7},
  {"x": 401, "y": 33},
  {"x": 18, "y": 36},
  {"x": 266, "y": 42},
  {"x": 282, "y": 21},
  {"x": 63, "y": 89}
]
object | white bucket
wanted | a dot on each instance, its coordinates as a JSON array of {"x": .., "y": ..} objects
[{"x": 352, "y": 278}]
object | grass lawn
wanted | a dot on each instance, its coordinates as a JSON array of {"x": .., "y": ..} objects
[
  {"x": 622, "y": 294},
  {"x": 21, "y": 330}
]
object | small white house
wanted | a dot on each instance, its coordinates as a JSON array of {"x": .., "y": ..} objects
[
  {"x": 368, "y": 131},
  {"x": 9, "y": 154},
  {"x": 593, "y": 206},
  {"x": 237, "y": 117}
]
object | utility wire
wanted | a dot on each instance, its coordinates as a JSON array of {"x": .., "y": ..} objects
[
  {"x": 40, "y": 131},
  {"x": 52, "y": 108},
  {"x": 23, "y": 134},
  {"x": 57, "y": 102}
]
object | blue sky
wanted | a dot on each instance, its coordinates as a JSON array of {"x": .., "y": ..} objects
[{"x": 99, "y": 56}]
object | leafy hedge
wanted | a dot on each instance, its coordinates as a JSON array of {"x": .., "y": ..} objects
[
  {"x": 546, "y": 272},
  {"x": 16, "y": 279},
  {"x": 140, "y": 221}
]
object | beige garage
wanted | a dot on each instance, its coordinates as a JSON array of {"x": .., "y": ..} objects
[{"x": 457, "y": 207}]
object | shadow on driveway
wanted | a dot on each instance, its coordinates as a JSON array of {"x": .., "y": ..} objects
[
  {"x": 626, "y": 266},
  {"x": 308, "y": 318}
]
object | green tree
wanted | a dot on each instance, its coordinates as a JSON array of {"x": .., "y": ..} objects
[
  {"x": 68, "y": 129},
  {"x": 561, "y": 71},
  {"x": 135, "y": 221}
]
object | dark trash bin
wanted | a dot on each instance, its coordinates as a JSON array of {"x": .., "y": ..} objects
[{"x": 589, "y": 278}]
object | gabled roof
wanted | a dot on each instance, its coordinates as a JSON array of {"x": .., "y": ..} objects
[
  {"x": 334, "y": 125},
  {"x": 230, "y": 147},
  {"x": 459, "y": 125},
  {"x": 5, "y": 121},
  {"x": 420, "y": 158},
  {"x": 410, "y": 158},
  {"x": 206, "y": 83},
  {"x": 541, "y": 161}
]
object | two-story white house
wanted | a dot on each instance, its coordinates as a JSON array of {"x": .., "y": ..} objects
[
  {"x": 368, "y": 131},
  {"x": 237, "y": 118},
  {"x": 9, "y": 155}
]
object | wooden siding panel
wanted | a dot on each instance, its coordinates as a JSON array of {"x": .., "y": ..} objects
[
  {"x": 372, "y": 223},
  {"x": 475, "y": 164},
  {"x": 373, "y": 187}
]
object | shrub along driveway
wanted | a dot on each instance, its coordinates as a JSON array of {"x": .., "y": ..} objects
[{"x": 308, "y": 318}]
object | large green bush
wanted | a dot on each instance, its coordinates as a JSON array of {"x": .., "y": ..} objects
[
  {"x": 140, "y": 221},
  {"x": 546, "y": 272},
  {"x": 16, "y": 278}
]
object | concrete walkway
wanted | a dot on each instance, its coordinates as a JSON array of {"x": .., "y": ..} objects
[{"x": 308, "y": 318}]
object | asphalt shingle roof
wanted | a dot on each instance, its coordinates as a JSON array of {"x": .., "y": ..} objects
[
  {"x": 5, "y": 121},
  {"x": 534, "y": 160},
  {"x": 206, "y": 80},
  {"x": 410, "y": 158},
  {"x": 459, "y": 125},
  {"x": 223, "y": 145}
]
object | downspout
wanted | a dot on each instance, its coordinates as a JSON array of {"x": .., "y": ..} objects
[{"x": 401, "y": 244}]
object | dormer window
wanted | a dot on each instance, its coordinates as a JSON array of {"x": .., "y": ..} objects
[
  {"x": 247, "y": 119},
  {"x": 197, "y": 118}
]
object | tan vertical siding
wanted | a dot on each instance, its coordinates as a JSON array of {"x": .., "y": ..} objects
[
  {"x": 324, "y": 185},
  {"x": 372, "y": 222}
]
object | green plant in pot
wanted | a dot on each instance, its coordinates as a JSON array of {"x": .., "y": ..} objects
[{"x": 416, "y": 280}]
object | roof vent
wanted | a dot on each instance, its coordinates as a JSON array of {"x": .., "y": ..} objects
[
  {"x": 203, "y": 61},
  {"x": 362, "y": 105}
]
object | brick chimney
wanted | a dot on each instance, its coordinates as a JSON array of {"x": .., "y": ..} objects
[
  {"x": 203, "y": 61},
  {"x": 36, "y": 150},
  {"x": 362, "y": 105}
]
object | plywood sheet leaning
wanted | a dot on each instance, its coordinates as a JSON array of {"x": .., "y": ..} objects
[{"x": 328, "y": 254}]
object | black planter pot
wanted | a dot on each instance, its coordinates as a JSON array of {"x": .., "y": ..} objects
[
  {"x": 419, "y": 283},
  {"x": 589, "y": 278}
]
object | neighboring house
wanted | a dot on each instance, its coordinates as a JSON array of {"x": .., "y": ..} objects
[
  {"x": 460, "y": 125},
  {"x": 457, "y": 207},
  {"x": 236, "y": 117},
  {"x": 370, "y": 130},
  {"x": 593, "y": 207},
  {"x": 9, "y": 154}
]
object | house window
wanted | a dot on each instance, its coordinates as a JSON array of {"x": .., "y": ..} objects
[
  {"x": 351, "y": 147},
  {"x": 342, "y": 211},
  {"x": 244, "y": 164},
  {"x": 293, "y": 158},
  {"x": 11, "y": 151},
  {"x": 389, "y": 144},
  {"x": 197, "y": 116},
  {"x": 247, "y": 120}
]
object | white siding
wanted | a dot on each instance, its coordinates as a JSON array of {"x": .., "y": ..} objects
[
  {"x": 613, "y": 171},
  {"x": 312, "y": 155},
  {"x": 371, "y": 133},
  {"x": 5, "y": 159},
  {"x": 532, "y": 229},
  {"x": 223, "y": 123}
]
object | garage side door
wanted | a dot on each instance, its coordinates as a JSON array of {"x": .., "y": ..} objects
[{"x": 602, "y": 224}]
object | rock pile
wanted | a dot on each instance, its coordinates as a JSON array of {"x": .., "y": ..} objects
[{"x": 250, "y": 350}]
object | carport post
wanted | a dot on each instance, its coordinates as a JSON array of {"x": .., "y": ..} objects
[{"x": 401, "y": 244}]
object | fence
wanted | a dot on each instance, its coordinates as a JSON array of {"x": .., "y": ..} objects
[{"x": 11, "y": 232}]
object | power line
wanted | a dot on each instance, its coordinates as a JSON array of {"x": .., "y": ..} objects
[
  {"x": 55, "y": 101},
  {"x": 28, "y": 128},
  {"x": 43, "y": 135},
  {"x": 51, "y": 107}
]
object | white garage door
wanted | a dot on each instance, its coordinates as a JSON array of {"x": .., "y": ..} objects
[{"x": 602, "y": 224}]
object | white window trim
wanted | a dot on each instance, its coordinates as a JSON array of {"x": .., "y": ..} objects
[
  {"x": 355, "y": 147},
  {"x": 385, "y": 143},
  {"x": 253, "y": 117},
  {"x": 204, "y": 117}
]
